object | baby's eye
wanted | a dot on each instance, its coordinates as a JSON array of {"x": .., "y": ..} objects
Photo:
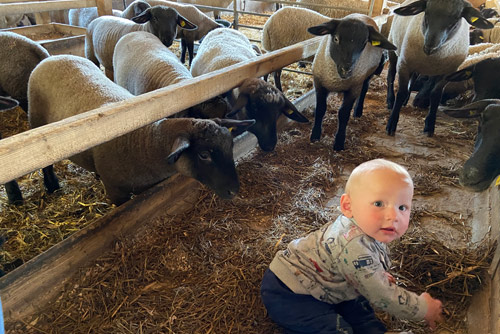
[
  {"x": 378, "y": 203},
  {"x": 403, "y": 208}
]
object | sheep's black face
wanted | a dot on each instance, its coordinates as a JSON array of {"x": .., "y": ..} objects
[
  {"x": 485, "y": 84},
  {"x": 163, "y": 24},
  {"x": 347, "y": 43},
  {"x": 442, "y": 19}
]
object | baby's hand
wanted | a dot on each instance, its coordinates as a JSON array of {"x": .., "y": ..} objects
[
  {"x": 434, "y": 310},
  {"x": 390, "y": 278}
]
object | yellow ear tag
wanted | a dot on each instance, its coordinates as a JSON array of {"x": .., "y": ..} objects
[
  {"x": 184, "y": 23},
  {"x": 468, "y": 73},
  {"x": 474, "y": 19},
  {"x": 375, "y": 43},
  {"x": 471, "y": 113},
  {"x": 481, "y": 37},
  {"x": 231, "y": 129},
  {"x": 497, "y": 182},
  {"x": 289, "y": 111}
]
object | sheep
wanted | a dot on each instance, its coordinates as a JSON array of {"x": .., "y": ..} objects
[
  {"x": 482, "y": 167},
  {"x": 212, "y": 3},
  {"x": 345, "y": 7},
  {"x": 65, "y": 85},
  {"x": 18, "y": 55},
  {"x": 104, "y": 32},
  {"x": 142, "y": 64},
  {"x": 431, "y": 39},
  {"x": 256, "y": 98},
  {"x": 11, "y": 188},
  {"x": 276, "y": 33},
  {"x": 204, "y": 23},
  {"x": 348, "y": 55},
  {"x": 488, "y": 12},
  {"x": 16, "y": 20},
  {"x": 485, "y": 36},
  {"x": 81, "y": 17}
]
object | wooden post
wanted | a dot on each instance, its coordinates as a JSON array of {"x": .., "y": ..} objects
[
  {"x": 104, "y": 7},
  {"x": 376, "y": 7}
]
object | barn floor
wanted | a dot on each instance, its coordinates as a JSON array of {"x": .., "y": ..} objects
[{"x": 200, "y": 271}]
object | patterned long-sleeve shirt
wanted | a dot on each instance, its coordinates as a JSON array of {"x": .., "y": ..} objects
[{"x": 339, "y": 262}]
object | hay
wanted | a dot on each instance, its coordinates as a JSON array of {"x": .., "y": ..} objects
[{"x": 200, "y": 272}]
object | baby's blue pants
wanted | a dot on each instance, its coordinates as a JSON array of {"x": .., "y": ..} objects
[{"x": 298, "y": 313}]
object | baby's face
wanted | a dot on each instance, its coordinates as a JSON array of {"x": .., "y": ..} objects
[{"x": 380, "y": 202}]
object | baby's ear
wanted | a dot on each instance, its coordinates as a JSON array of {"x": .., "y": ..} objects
[{"x": 345, "y": 205}]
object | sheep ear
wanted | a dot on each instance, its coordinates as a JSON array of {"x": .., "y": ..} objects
[
  {"x": 464, "y": 74},
  {"x": 472, "y": 110},
  {"x": 238, "y": 105},
  {"x": 378, "y": 40},
  {"x": 140, "y": 7},
  {"x": 180, "y": 145},
  {"x": 412, "y": 9},
  {"x": 324, "y": 28},
  {"x": 474, "y": 17},
  {"x": 236, "y": 127},
  {"x": 144, "y": 17},
  {"x": 7, "y": 103},
  {"x": 185, "y": 24},
  {"x": 291, "y": 112}
]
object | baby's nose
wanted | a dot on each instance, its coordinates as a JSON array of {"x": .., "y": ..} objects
[{"x": 390, "y": 213}]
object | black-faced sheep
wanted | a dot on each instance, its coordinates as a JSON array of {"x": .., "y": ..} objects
[
  {"x": 256, "y": 98},
  {"x": 432, "y": 39},
  {"x": 483, "y": 166},
  {"x": 142, "y": 64},
  {"x": 276, "y": 33},
  {"x": 11, "y": 188},
  {"x": 204, "y": 23},
  {"x": 104, "y": 32},
  {"x": 65, "y": 85},
  {"x": 18, "y": 57},
  {"x": 346, "y": 59}
]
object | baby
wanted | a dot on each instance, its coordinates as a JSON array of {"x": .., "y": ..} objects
[{"x": 326, "y": 281}]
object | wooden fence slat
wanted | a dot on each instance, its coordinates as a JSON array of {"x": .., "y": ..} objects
[
  {"x": 43, "y": 6},
  {"x": 25, "y": 152}
]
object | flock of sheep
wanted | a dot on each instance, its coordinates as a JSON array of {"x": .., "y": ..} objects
[{"x": 425, "y": 37}]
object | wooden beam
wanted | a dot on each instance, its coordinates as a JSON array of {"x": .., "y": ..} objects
[
  {"x": 25, "y": 152},
  {"x": 376, "y": 7},
  {"x": 43, "y": 6},
  {"x": 104, "y": 7},
  {"x": 39, "y": 281}
]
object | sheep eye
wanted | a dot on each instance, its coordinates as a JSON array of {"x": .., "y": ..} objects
[
  {"x": 336, "y": 39},
  {"x": 205, "y": 156}
]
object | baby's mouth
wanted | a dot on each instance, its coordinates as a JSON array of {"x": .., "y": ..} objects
[{"x": 389, "y": 229}]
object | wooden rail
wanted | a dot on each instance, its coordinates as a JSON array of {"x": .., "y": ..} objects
[
  {"x": 8, "y": 7},
  {"x": 33, "y": 149}
]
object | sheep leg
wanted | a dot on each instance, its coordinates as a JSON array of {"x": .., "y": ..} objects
[
  {"x": 319, "y": 113},
  {"x": 190, "y": 48},
  {"x": 343, "y": 119},
  {"x": 391, "y": 76},
  {"x": 401, "y": 96},
  {"x": 12, "y": 189},
  {"x": 277, "y": 79},
  {"x": 411, "y": 86},
  {"x": 430, "y": 120},
  {"x": 50, "y": 179},
  {"x": 358, "y": 109}
]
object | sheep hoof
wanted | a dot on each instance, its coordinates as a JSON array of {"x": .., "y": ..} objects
[{"x": 338, "y": 146}]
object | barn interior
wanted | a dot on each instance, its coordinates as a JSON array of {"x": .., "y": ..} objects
[{"x": 178, "y": 259}]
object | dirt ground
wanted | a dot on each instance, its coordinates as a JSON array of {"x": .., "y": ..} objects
[{"x": 199, "y": 272}]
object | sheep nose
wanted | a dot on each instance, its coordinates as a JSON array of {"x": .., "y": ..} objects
[
  {"x": 344, "y": 72},
  {"x": 429, "y": 50}
]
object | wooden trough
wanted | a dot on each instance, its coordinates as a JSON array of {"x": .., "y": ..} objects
[{"x": 57, "y": 38}]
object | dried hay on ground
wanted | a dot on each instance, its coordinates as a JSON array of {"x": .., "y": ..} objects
[{"x": 200, "y": 272}]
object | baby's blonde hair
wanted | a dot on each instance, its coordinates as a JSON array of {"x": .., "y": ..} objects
[{"x": 373, "y": 165}]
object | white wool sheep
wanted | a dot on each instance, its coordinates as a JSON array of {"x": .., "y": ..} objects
[
  {"x": 212, "y": 3},
  {"x": 428, "y": 48},
  {"x": 256, "y": 99},
  {"x": 81, "y": 17},
  {"x": 276, "y": 33},
  {"x": 19, "y": 55},
  {"x": 204, "y": 23},
  {"x": 142, "y": 64},
  {"x": 349, "y": 5},
  {"x": 66, "y": 85},
  {"x": 104, "y": 32},
  {"x": 346, "y": 59}
]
